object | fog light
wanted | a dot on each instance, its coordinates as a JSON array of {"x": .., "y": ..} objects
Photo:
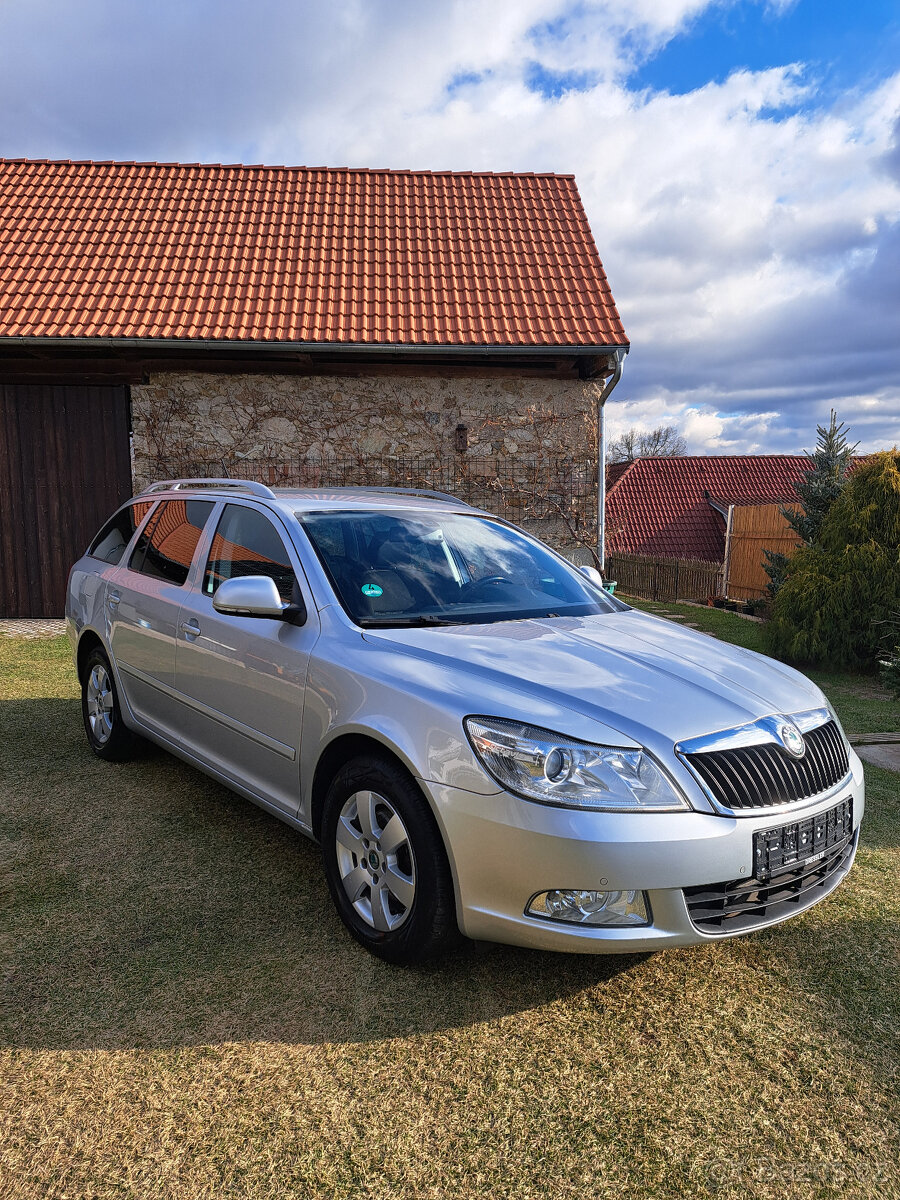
[{"x": 590, "y": 908}]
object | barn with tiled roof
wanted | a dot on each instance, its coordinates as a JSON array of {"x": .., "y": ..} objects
[
  {"x": 155, "y": 317},
  {"x": 678, "y": 507}
]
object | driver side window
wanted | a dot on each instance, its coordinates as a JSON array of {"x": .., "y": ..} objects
[{"x": 247, "y": 543}]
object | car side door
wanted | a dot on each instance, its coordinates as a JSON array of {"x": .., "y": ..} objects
[
  {"x": 143, "y": 598},
  {"x": 242, "y": 679}
]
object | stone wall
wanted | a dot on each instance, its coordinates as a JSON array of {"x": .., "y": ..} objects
[
  {"x": 198, "y": 417},
  {"x": 525, "y": 453}
]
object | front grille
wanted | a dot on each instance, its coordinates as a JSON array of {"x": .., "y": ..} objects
[
  {"x": 745, "y": 903},
  {"x": 763, "y": 776}
]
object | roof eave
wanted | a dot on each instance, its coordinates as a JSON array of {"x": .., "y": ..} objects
[
  {"x": 300, "y": 347},
  {"x": 721, "y": 506}
]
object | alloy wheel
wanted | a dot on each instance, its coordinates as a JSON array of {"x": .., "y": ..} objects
[
  {"x": 100, "y": 703},
  {"x": 375, "y": 861}
]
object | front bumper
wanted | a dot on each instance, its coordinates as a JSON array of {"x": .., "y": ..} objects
[{"x": 503, "y": 850}]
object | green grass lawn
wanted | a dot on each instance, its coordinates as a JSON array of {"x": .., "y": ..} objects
[{"x": 182, "y": 1015}]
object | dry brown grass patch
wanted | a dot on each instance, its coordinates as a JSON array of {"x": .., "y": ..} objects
[{"x": 183, "y": 1016}]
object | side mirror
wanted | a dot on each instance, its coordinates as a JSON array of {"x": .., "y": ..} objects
[
  {"x": 249, "y": 596},
  {"x": 594, "y": 576}
]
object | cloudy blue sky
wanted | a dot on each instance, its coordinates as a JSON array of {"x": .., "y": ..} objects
[{"x": 739, "y": 159}]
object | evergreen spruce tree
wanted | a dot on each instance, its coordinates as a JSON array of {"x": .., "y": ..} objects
[
  {"x": 817, "y": 491},
  {"x": 821, "y": 484}
]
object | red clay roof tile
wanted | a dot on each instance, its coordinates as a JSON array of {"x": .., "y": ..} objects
[
  {"x": 659, "y": 506},
  {"x": 160, "y": 250}
]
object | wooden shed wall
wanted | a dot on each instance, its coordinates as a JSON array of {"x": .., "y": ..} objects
[
  {"x": 65, "y": 466},
  {"x": 754, "y": 529}
]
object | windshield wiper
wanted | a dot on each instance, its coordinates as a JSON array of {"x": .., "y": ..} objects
[{"x": 423, "y": 619}]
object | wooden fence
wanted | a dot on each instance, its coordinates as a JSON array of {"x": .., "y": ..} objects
[
  {"x": 664, "y": 578},
  {"x": 755, "y": 528}
]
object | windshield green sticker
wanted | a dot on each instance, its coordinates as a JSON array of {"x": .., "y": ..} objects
[{"x": 371, "y": 589}]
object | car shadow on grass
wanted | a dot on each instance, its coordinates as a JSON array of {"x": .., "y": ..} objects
[{"x": 151, "y": 907}]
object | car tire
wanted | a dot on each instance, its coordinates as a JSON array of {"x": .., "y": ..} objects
[
  {"x": 385, "y": 863},
  {"x": 107, "y": 734}
]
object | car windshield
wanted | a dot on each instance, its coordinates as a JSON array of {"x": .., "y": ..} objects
[{"x": 423, "y": 568}]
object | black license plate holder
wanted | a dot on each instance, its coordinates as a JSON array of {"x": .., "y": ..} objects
[{"x": 801, "y": 842}]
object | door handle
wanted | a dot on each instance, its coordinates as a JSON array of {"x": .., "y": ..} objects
[
  {"x": 113, "y": 599},
  {"x": 190, "y": 628}
]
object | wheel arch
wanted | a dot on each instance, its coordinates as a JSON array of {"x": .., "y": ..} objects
[
  {"x": 88, "y": 641},
  {"x": 339, "y": 751},
  {"x": 446, "y": 927}
]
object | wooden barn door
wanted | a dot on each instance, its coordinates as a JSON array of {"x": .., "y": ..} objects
[{"x": 65, "y": 464}]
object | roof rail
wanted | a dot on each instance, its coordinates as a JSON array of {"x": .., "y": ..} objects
[
  {"x": 238, "y": 485},
  {"x": 399, "y": 491}
]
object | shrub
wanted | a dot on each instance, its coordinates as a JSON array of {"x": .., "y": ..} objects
[
  {"x": 890, "y": 672},
  {"x": 838, "y": 592},
  {"x": 889, "y": 660}
]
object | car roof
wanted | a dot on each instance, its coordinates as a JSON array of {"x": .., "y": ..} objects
[
  {"x": 307, "y": 499},
  {"x": 316, "y": 499}
]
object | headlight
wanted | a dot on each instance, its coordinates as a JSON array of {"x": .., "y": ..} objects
[{"x": 543, "y": 766}]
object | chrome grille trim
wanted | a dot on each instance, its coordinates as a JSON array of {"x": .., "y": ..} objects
[{"x": 747, "y": 769}]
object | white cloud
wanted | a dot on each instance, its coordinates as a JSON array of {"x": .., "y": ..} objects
[
  {"x": 702, "y": 428},
  {"x": 705, "y": 430},
  {"x": 751, "y": 232}
]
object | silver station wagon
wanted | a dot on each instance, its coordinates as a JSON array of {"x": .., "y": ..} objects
[{"x": 482, "y": 740}]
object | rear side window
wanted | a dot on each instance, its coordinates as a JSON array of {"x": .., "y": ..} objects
[
  {"x": 111, "y": 542},
  {"x": 165, "y": 548},
  {"x": 247, "y": 543}
]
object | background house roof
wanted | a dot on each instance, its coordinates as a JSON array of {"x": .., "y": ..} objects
[
  {"x": 661, "y": 506},
  {"x": 187, "y": 251},
  {"x": 614, "y": 472}
]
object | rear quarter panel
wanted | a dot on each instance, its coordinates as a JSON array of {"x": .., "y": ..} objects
[{"x": 85, "y": 601}]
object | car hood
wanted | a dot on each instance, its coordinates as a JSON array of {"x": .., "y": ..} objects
[{"x": 650, "y": 679}]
